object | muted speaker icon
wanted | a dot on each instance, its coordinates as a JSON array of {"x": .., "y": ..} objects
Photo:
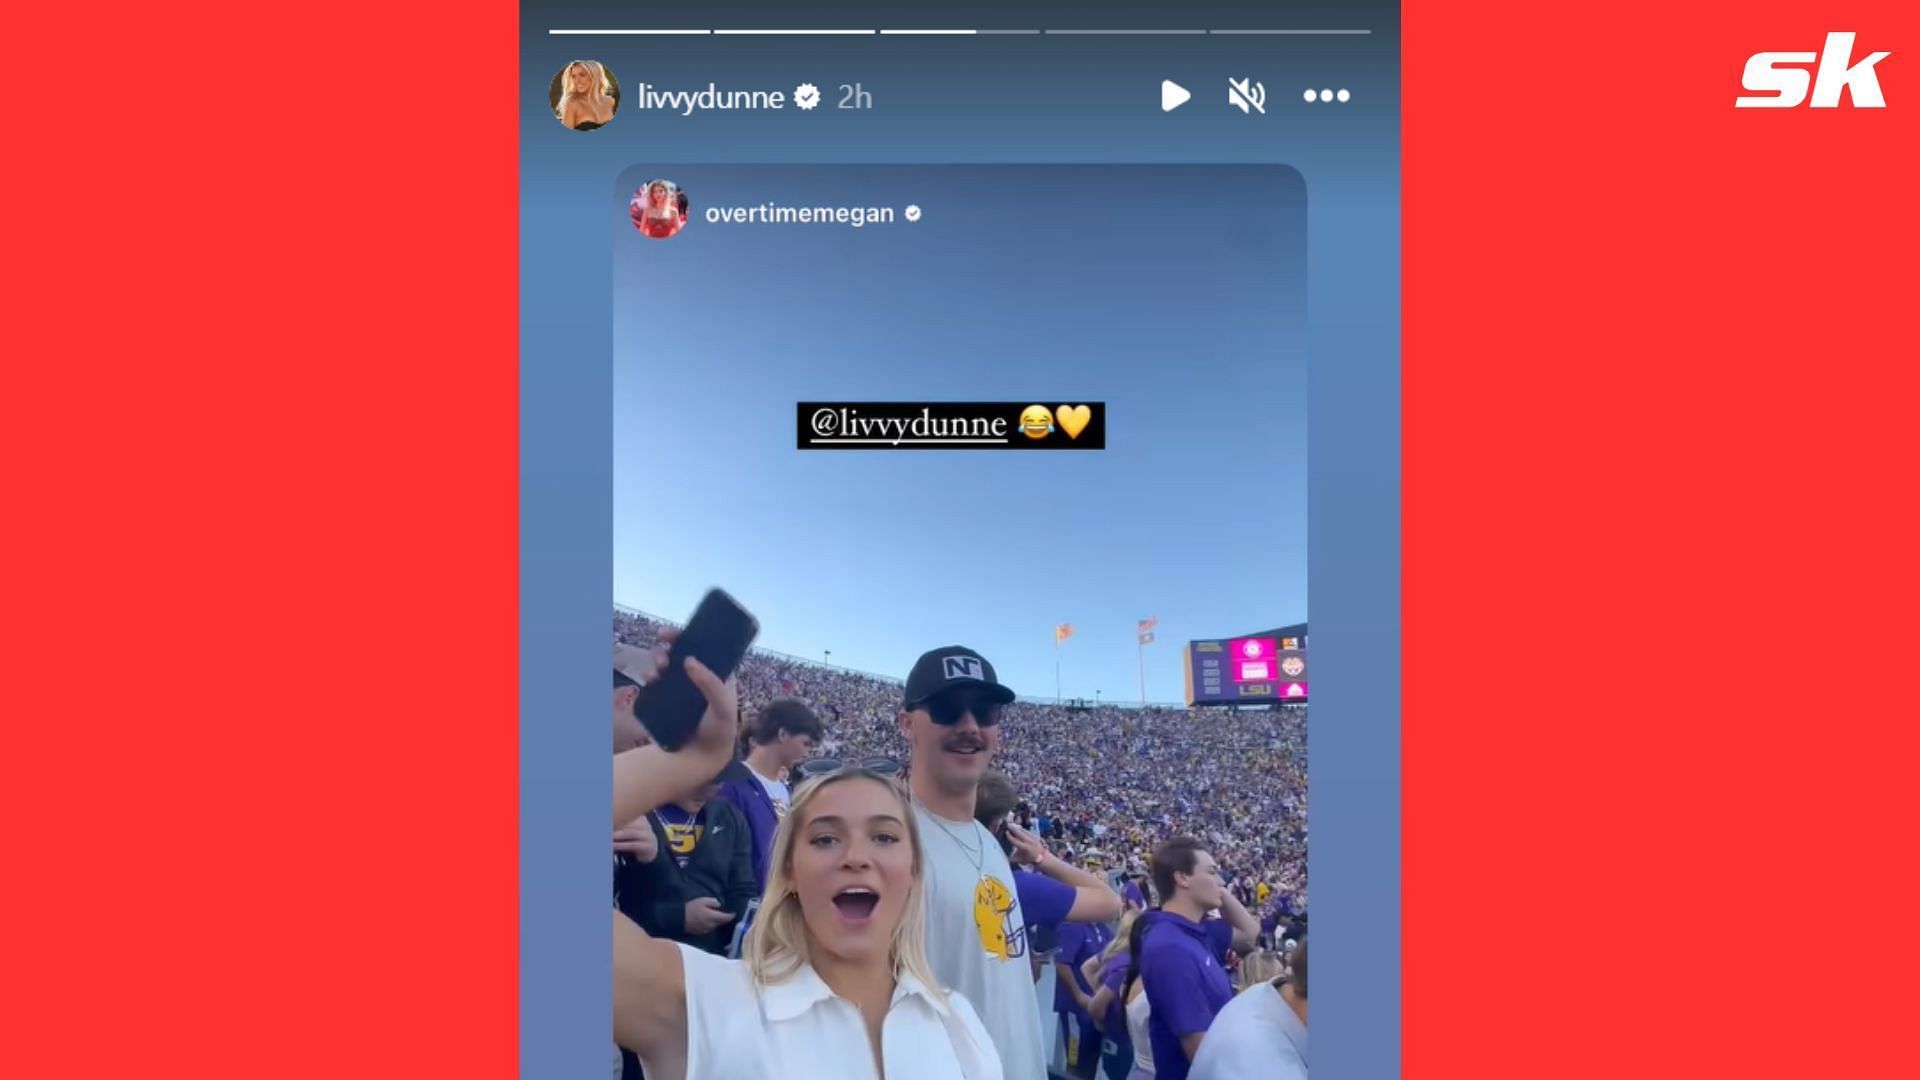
[{"x": 1247, "y": 94}]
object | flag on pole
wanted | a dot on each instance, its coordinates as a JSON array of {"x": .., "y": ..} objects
[
  {"x": 1146, "y": 637},
  {"x": 1062, "y": 632},
  {"x": 1146, "y": 629}
]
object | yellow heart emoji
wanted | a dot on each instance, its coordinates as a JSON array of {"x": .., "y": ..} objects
[{"x": 1073, "y": 418}]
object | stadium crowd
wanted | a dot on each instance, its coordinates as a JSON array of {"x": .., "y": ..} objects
[
  {"x": 1112, "y": 820},
  {"x": 1110, "y": 781}
]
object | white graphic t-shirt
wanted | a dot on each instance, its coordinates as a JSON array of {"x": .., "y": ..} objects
[
  {"x": 777, "y": 790},
  {"x": 977, "y": 938}
]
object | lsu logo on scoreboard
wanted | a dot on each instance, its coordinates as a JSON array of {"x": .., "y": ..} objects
[{"x": 1256, "y": 689}]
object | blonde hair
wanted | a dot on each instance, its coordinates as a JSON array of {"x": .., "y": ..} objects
[
  {"x": 1259, "y": 967},
  {"x": 778, "y": 944},
  {"x": 1119, "y": 943},
  {"x": 598, "y": 85}
]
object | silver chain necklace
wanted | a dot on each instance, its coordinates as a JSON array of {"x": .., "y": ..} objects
[{"x": 976, "y": 857}]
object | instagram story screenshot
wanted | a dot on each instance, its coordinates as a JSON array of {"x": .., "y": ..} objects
[
  {"x": 950, "y": 413},
  {"x": 1104, "y": 516}
]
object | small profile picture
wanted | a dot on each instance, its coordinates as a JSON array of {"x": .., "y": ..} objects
[
  {"x": 659, "y": 210},
  {"x": 584, "y": 95}
]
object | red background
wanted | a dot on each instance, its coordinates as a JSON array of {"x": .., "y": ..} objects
[
  {"x": 260, "y": 436},
  {"x": 1659, "y": 403}
]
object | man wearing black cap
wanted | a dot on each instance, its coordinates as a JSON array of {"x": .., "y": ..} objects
[{"x": 976, "y": 932}]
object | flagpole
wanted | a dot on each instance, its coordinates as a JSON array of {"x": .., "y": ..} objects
[
  {"x": 1143, "y": 672},
  {"x": 1056, "y": 665}
]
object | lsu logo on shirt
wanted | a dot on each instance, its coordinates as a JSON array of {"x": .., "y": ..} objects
[
  {"x": 682, "y": 839},
  {"x": 993, "y": 907}
]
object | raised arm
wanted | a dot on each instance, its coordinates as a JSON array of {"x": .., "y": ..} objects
[
  {"x": 1246, "y": 928},
  {"x": 1093, "y": 967},
  {"x": 649, "y": 776},
  {"x": 1093, "y": 901},
  {"x": 649, "y": 994},
  {"x": 649, "y": 981}
]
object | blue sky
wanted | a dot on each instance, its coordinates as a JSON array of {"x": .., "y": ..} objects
[{"x": 1173, "y": 294}]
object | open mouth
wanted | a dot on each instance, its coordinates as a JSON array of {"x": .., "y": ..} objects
[
  {"x": 856, "y": 904},
  {"x": 966, "y": 750}
]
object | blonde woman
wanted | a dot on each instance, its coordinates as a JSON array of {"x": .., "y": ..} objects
[
  {"x": 1261, "y": 966},
  {"x": 836, "y": 958},
  {"x": 1120, "y": 1006},
  {"x": 586, "y": 96},
  {"x": 1116, "y": 1048}
]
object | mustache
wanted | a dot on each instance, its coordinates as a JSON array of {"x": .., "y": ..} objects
[{"x": 966, "y": 742}]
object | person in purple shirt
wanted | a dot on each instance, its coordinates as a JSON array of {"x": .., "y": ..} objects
[
  {"x": 1180, "y": 956},
  {"x": 784, "y": 735},
  {"x": 1268, "y": 924},
  {"x": 1050, "y": 890},
  {"x": 1073, "y": 994},
  {"x": 1107, "y": 1008}
]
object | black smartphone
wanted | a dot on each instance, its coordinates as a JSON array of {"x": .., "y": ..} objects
[{"x": 717, "y": 636}]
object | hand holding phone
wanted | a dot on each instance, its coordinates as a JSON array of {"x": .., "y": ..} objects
[
  {"x": 693, "y": 693},
  {"x": 1028, "y": 849}
]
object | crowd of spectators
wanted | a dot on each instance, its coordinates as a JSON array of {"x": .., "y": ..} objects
[{"x": 1105, "y": 783}]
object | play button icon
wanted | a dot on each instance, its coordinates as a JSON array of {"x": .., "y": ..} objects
[{"x": 1172, "y": 95}]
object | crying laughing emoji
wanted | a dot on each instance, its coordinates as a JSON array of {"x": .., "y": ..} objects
[{"x": 1036, "y": 421}]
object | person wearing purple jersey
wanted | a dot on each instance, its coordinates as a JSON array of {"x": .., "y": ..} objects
[
  {"x": 1057, "y": 898},
  {"x": 1262, "y": 1032},
  {"x": 1106, "y": 971},
  {"x": 785, "y": 734},
  {"x": 1056, "y": 891},
  {"x": 1180, "y": 955},
  {"x": 1073, "y": 993},
  {"x": 1042, "y": 880},
  {"x": 1269, "y": 923}
]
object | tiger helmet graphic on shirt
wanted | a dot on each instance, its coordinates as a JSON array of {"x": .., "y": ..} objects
[{"x": 993, "y": 905}]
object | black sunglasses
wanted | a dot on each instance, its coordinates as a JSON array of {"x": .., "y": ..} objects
[
  {"x": 816, "y": 768},
  {"x": 946, "y": 709}
]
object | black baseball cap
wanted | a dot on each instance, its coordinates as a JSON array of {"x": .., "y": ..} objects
[{"x": 950, "y": 666}]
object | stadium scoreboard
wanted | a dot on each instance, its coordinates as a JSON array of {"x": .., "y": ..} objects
[{"x": 1255, "y": 669}]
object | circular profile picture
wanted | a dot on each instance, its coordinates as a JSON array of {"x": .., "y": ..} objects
[
  {"x": 584, "y": 95},
  {"x": 659, "y": 210}
]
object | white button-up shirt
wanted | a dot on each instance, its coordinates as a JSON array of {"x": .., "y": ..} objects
[{"x": 799, "y": 1030}]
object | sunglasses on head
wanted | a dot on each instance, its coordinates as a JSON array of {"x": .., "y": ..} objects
[
  {"x": 820, "y": 767},
  {"x": 946, "y": 709}
]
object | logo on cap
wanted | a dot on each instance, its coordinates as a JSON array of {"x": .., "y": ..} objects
[{"x": 964, "y": 667}]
